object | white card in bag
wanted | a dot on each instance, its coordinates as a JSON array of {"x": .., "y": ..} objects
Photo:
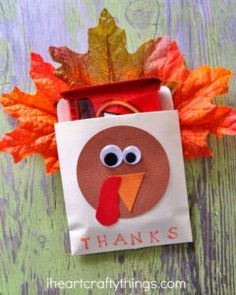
[{"x": 124, "y": 182}]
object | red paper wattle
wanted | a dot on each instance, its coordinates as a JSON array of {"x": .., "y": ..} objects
[{"x": 107, "y": 212}]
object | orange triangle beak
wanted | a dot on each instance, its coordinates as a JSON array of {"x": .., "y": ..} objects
[{"x": 129, "y": 187}]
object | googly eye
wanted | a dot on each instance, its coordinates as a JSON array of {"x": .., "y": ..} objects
[
  {"x": 132, "y": 155},
  {"x": 111, "y": 156}
]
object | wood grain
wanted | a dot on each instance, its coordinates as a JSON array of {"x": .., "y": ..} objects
[{"x": 33, "y": 228}]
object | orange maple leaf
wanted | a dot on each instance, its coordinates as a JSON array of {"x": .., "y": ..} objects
[
  {"x": 108, "y": 60},
  {"x": 193, "y": 94},
  {"x": 198, "y": 116},
  {"x": 36, "y": 115}
]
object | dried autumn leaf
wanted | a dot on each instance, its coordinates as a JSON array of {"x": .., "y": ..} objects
[
  {"x": 166, "y": 62},
  {"x": 193, "y": 95},
  {"x": 198, "y": 116},
  {"x": 36, "y": 115},
  {"x": 194, "y": 143},
  {"x": 107, "y": 59}
]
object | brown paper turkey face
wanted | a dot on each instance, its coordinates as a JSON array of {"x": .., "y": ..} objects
[{"x": 122, "y": 172}]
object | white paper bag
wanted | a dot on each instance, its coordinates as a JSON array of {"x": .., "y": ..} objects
[{"x": 151, "y": 194}]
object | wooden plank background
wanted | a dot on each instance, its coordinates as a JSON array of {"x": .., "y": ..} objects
[{"x": 33, "y": 228}]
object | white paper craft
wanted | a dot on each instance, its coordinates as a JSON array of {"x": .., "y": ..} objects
[{"x": 167, "y": 222}]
